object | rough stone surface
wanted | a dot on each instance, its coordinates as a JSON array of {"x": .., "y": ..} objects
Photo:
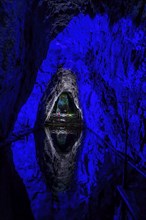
[
  {"x": 19, "y": 58},
  {"x": 104, "y": 45},
  {"x": 62, "y": 81},
  {"x": 26, "y": 30},
  {"x": 57, "y": 166},
  {"x": 109, "y": 63}
]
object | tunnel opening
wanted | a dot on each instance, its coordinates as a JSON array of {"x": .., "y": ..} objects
[
  {"x": 60, "y": 105},
  {"x": 65, "y": 104},
  {"x": 64, "y": 111}
]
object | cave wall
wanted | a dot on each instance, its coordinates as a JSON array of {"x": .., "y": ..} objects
[
  {"x": 110, "y": 67},
  {"x": 103, "y": 44},
  {"x": 17, "y": 55},
  {"x": 26, "y": 28}
]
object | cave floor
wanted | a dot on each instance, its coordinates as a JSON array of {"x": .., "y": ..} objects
[{"x": 68, "y": 175}]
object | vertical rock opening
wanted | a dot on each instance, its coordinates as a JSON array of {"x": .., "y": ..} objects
[
  {"x": 65, "y": 104},
  {"x": 59, "y": 105},
  {"x": 64, "y": 110}
]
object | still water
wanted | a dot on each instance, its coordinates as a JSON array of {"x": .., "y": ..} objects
[{"x": 69, "y": 174}]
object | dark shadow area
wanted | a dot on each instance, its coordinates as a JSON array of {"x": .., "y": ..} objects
[
  {"x": 63, "y": 139},
  {"x": 117, "y": 9},
  {"x": 14, "y": 202},
  {"x": 65, "y": 104}
]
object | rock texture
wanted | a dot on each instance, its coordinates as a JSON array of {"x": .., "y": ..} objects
[
  {"x": 26, "y": 29},
  {"x": 102, "y": 42},
  {"x": 19, "y": 58},
  {"x": 63, "y": 81},
  {"x": 88, "y": 195},
  {"x": 56, "y": 164}
]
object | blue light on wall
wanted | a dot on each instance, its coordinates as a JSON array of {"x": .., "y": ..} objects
[
  {"x": 88, "y": 161},
  {"x": 104, "y": 59},
  {"x": 90, "y": 45}
]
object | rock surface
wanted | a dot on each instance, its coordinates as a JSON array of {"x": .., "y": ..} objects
[
  {"x": 103, "y": 43},
  {"x": 62, "y": 81},
  {"x": 26, "y": 29},
  {"x": 19, "y": 58}
]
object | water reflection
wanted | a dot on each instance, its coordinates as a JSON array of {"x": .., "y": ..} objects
[
  {"x": 64, "y": 140},
  {"x": 58, "y": 160},
  {"x": 74, "y": 182}
]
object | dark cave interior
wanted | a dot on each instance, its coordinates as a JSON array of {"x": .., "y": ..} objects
[
  {"x": 79, "y": 65},
  {"x": 65, "y": 104}
]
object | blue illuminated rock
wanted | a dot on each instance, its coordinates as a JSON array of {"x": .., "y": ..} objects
[{"x": 103, "y": 45}]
